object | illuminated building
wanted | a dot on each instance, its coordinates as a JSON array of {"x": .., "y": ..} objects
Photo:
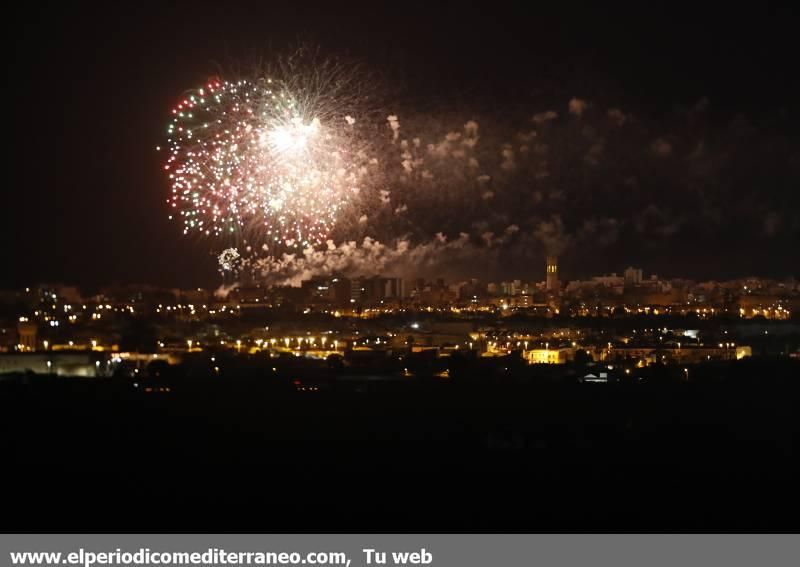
[
  {"x": 685, "y": 354},
  {"x": 549, "y": 355},
  {"x": 27, "y": 335},
  {"x": 552, "y": 274}
]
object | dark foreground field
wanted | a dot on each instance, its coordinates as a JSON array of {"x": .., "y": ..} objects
[{"x": 258, "y": 454}]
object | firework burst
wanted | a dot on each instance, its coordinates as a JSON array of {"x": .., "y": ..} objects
[
  {"x": 264, "y": 161},
  {"x": 228, "y": 259}
]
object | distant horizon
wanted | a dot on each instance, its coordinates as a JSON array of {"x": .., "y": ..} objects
[{"x": 428, "y": 279}]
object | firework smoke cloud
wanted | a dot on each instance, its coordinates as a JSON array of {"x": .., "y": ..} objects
[{"x": 301, "y": 179}]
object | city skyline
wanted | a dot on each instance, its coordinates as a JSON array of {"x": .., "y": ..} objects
[{"x": 216, "y": 284}]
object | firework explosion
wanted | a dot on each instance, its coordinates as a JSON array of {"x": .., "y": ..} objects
[
  {"x": 291, "y": 186},
  {"x": 228, "y": 258},
  {"x": 255, "y": 161}
]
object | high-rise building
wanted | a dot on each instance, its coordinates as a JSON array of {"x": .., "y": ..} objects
[
  {"x": 336, "y": 290},
  {"x": 633, "y": 276},
  {"x": 376, "y": 289},
  {"x": 393, "y": 288},
  {"x": 552, "y": 274},
  {"x": 357, "y": 290}
]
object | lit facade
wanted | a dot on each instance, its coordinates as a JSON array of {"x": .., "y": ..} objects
[
  {"x": 552, "y": 274},
  {"x": 549, "y": 355}
]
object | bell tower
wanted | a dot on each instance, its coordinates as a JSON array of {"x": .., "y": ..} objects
[{"x": 552, "y": 274}]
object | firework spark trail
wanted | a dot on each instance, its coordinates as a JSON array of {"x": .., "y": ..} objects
[
  {"x": 253, "y": 160},
  {"x": 307, "y": 184}
]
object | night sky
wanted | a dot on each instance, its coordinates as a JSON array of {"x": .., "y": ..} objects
[{"x": 91, "y": 86}]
